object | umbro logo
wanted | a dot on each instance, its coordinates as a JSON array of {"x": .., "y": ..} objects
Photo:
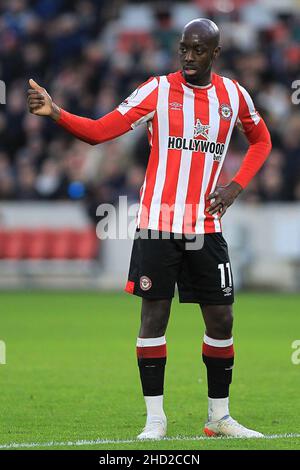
[
  {"x": 175, "y": 106},
  {"x": 227, "y": 291}
]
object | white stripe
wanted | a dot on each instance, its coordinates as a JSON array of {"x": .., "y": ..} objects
[
  {"x": 141, "y": 204},
  {"x": 150, "y": 129},
  {"x": 143, "y": 119},
  {"x": 85, "y": 442},
  {"x": 163, "y": 132},
  {"x": 138, "y": 96},
  {"x": 185, "y": 160},
  {"x": 229, "y": 273},
  {"x": 144, "y": 342},
  {"x": 252, "y": 111},
  {"x": 218, "y": 343},
  {"x": 234, "y": 102},
  {"x": 217, "y": 223},
  {"x": 213, "y": 131}
]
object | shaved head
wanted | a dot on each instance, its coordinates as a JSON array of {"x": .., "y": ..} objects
[
  {"x": 204, "y": 29},
  {"x": 198, "y": 48}
]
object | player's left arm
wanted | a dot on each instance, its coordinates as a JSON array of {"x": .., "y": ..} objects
[{"x": 255, "y": 129}]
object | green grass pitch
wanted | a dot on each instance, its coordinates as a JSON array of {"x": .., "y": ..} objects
[{"x": 71, "y": 372}]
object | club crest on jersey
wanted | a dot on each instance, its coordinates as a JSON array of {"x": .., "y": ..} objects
[
  {"x": 145, "y": 283},
  {"x": 225, "y": 111},
  {"x": 200, "y": 129}
]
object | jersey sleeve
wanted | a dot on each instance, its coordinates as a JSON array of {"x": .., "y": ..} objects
[
  {"x": 257, "y": 134},
  {"x": 140, "y": 106},
  {"x": 94, "y": 131},
  {"x": 248, "y": 117}
]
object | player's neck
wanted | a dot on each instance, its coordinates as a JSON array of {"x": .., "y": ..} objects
[{"x": 203, "y": 82}]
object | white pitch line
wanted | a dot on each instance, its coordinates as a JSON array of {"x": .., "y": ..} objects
[{"x": 17, "y": 445}]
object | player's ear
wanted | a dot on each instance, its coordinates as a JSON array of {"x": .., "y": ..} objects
[{"x": 217, "y": 52}]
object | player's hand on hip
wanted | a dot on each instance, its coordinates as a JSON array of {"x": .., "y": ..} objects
[
  {"x": 40, "y": 102},
  {"x": 223, "y": 197}
]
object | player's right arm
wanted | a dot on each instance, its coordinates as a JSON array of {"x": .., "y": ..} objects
[{"x": 139, "y": 107}]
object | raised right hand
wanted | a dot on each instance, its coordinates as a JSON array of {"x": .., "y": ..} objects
[{"x": 40, "y": 102}]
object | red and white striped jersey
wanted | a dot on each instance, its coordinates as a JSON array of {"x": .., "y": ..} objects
[{"x": 189, "y": 130}]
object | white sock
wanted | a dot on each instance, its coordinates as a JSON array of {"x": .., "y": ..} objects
[
  {"x": 154, "y": 406},
  {"x": 217, "y": 408}
]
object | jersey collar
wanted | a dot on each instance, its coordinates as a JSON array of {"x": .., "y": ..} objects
[{"x": 196, "y": 87}]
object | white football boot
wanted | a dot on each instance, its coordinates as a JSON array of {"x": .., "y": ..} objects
[
  {"x": 156, "y": 428},
  {"x": 227, "y": 426}
]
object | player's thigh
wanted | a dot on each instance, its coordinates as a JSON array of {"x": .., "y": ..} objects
[
  {"x": 154, "y": 267},
  {"x": 206, "y": 276}
]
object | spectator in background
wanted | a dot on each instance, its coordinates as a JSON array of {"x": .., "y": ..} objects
[
  {"x": 48, "y": 180},
  {"x": 7, "y": 183},
  {"x": 26, "y": 176}
]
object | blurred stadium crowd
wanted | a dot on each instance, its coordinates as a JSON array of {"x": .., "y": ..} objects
[{"x": 91, "y": 54}]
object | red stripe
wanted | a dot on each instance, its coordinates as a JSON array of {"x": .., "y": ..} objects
[
  {"x": 129, "y": 287},
  {"x": 151, "y": 351},
  {"x": 201, "y": 106},
  {"x": 150, "y": 177},
  {"x": 212, "y": 351},
  {"x": 173, "y": 160}
]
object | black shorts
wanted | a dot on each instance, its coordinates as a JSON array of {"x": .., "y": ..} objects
[{"x": 201, "y": 268}]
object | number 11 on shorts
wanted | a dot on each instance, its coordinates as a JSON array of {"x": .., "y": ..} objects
[{"x": 222, "y": 268}]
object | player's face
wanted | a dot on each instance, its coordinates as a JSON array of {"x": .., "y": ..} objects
[{"x": 196, "y": 57}]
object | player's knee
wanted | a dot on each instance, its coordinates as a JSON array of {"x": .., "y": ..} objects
[
  {"x": 154, "y": 320},
  {"x": 151, "y": 331},
  {"x": 152, "y": 326},
  {"x": 219, "y": 321},
  {"x": 225, "y": 324}
]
